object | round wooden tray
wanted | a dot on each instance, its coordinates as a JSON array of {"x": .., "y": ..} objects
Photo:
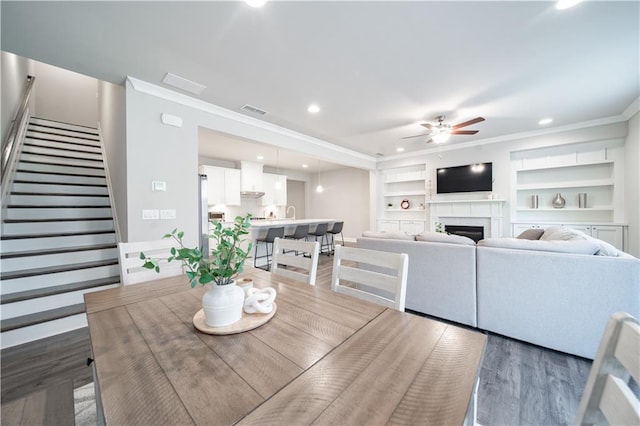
[{"x": 246, "y": 323}]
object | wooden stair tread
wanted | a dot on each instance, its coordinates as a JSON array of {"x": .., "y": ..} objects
[
  {"x": 42, "y": 252},
  {"x": 40, "y": 317},
  {"x": 58, "y": 289},
  {"x": 57, "y": 268},
  {"x": 47, "y": 163},
  {"x": 55, "y": 234},
  {"x": 59, "y": 194},
  {"x": 66, "y": 219},
  {"x": 37, "y": 182},
  {"x": 53, "y": 123}
]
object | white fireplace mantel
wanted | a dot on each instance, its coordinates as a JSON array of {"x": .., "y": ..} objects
[{"x": 486, "y": 213}]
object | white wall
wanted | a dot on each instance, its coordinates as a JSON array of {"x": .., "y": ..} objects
[
  {"x": 296, "y": 197},
  {"x": 112, "y": 117},
  {"x": 632, "y": 184},
  {"x": 499, "y": 154},
  {"x": 65, "y": 96},
  {"x": 14, "y": 70},
  {"x": 345, "y": 197}
]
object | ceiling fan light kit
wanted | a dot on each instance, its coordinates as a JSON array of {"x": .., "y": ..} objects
[{"x": 441, "y": 132}]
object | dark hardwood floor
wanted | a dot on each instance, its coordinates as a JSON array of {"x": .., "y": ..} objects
[{"x": 520, "y": 384}]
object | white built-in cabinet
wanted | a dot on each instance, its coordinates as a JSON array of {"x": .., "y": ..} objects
[
  {"x": 251, "y": 176},
  {"x": 275, "y": 190},
  {"x": 613, "y": 234},
  {"x": 403, "y": 200},
  {"x": 223, "y": 185}
]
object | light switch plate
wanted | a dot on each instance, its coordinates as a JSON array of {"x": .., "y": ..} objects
[
  {"x": 158, "y": 186},
  {"x": 150, "y": 215},
  {"x": 167, "y": 214}
]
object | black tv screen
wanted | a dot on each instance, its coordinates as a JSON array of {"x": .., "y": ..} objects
[{"x": 470, "y": 178}]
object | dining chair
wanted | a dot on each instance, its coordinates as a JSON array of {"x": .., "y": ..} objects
[
  {"x": 285, "y": 256},
  {"x": 376, "y": 276},
  {"x": 131, "y": 270},
  {"x": 607, "y": 398}
]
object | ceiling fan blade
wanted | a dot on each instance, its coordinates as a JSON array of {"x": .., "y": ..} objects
[
  {"x": 427, "y": 125},
  {"x": 464, "y": 132},
  {"x": 468, "y": 123},
  {"x": 415, "y": 136}
]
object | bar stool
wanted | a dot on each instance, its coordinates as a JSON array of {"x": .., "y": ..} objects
[
  {"x": 272, "y": 234},
  {"x": 335, "y": 230},
  {"x": 321, "y": 231},
  {"x": 300, "y": 232}
]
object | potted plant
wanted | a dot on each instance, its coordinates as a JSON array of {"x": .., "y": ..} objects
[{"x": 222, "y": 304}]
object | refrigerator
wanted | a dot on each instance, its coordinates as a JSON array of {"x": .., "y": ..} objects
[{"x": 203, "y": 210}]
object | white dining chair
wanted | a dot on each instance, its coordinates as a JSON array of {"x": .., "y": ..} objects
[
  {"x": 286, "y": 262},
  {"x": 131, "y": 270},
  {"x": 376, "y": 276},
  {"x": 607, "y": 398}
]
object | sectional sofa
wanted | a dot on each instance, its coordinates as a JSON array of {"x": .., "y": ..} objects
[{"x": 556, "y": 292}]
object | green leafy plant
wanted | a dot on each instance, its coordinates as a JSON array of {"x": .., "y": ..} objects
[{"x": 225, "y": 261}]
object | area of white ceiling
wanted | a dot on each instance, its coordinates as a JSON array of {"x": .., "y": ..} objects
[{"x": 376, "y": 69}]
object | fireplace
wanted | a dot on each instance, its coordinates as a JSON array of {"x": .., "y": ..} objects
[{"x": 476, "y": 233}]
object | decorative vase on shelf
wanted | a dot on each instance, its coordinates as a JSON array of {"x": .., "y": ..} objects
[
  {"x": 222, "y": 304},
  {"x": 558, "y": 202}
]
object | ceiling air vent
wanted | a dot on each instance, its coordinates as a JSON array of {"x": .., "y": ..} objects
[
  {"x": 253, "y": 110},
  {"x": 379, "y": 154},
  {"x": 183, "y": 84}
]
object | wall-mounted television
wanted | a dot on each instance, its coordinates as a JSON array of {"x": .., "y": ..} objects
[{"x": 470, "y": 178}]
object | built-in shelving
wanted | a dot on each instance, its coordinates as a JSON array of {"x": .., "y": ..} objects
[{"x": 396, "y": 186}]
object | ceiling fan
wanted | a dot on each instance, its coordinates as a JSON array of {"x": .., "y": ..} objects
[{"x": 441, "y": 132}]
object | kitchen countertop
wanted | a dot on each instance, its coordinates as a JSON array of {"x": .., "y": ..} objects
[{"x": 287, "y": 222}]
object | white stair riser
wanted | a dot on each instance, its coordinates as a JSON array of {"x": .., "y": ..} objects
[
  {"x": 58, "y": 200},
  {"x": 53, "y": 168},
  {"x": 56, "y": 227},
  {"x": 76, "y": 138},
  {"x": 39, "y": 304},
  {"x": 66, "y": 126},
  {"x": 19, "y": 285},
  {"x": 58, "y": 213},
  {"x": 40, "y": 331},
  {"x": 62, "y": 145},
  {"x": 52, "y": 188},
  {"x": 58, "y": 259},
  {"x": 61, "y": 132},
  {"x": 62, "y": 161},
  {"x": 27, "y": 149},
  {"x": 24, "y": 244},
  {"x": 51, "y": 178}
]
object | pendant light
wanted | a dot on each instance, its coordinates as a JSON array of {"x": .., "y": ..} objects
[
  {"x": 319, "y": 188},
  {"x": 278, "y": 183}
]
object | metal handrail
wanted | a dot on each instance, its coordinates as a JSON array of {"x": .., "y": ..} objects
[{"x": 16, "y": 124}]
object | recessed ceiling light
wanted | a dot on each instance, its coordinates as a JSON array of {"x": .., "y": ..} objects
[
  {"x": 304, "y": 166},
  {"x": 566, "y": 4},
  {"x": 545, "y": 121},
  {"x": 313, "y": 108},
  {"x": 400, "y": 149},
  {"x": 255, "y": 3},
  {"x": 260, "y": 157}
]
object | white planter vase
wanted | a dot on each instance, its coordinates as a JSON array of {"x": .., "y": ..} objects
[{"x": 222, "y": 305}]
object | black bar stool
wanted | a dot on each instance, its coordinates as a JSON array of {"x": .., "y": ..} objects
[
  {"x": 321, "y": 231},
  {"x": 272, "y": 234},
  {"x": 335, "y": 230},
  {"x": 299, "y": 233}
]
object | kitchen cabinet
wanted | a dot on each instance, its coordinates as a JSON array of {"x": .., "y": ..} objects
[
  {"x": 275, "y": 190},
  {"x": 251, "y": 177},
  {"x": 223, "y": 185}
]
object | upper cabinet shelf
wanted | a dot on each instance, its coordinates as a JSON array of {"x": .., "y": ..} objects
[
  {"x": 405, "y": 193},
  {"x": 566, "y": 184},
  {"x": 563, "y": 166}
]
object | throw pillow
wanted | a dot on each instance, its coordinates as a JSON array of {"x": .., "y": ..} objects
[
  {"x": 531, "y": 234},
  {"x": 563, "y": 234},
  {"x": 440, "y": 237},
  {"x": 391, "y": 235}
]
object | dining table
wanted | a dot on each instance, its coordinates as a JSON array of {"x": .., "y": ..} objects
[{"x": 323, "y": 358}]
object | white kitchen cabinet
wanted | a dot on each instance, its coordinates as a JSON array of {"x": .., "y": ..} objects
[
  {"x": 251, "y": 177},
  {"x": 275, "y": 190},
  {"x": 388, "y": 225},
  {"x": 412, "y": 227},
  {"x": 223, "y": 185}
]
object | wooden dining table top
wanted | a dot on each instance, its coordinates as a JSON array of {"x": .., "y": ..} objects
[{"x": 324, "y": 358}]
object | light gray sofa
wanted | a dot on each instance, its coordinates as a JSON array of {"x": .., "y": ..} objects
[{"x": 553, "y": 299}]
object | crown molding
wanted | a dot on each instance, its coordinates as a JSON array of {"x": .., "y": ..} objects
[{"x": 632, "y": 109}]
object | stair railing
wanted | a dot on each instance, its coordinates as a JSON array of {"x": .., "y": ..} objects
[{"x": 13, "y": 142}]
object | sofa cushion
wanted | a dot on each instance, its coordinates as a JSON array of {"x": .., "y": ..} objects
[
  {"x": 605, "y": 249},
  {"x": 561, "y": 233},
  {"x": 391, "y": 235},
  {"x": 556, "y": 246},
  {"x": 440, "y": 237},
  {"x": 531, "y": 234}
]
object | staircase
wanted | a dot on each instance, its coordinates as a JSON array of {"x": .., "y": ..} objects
[{"x": 58, "y": 237}]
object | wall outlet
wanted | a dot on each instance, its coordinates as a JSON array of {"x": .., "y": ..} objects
[
  {"x": 167, "y": 214},
  {"x": 150, "y": 215}
]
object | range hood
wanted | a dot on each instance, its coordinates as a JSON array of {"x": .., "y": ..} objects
[
  {"x": 251, "y": 180},
  {"x": 251, "y": 194}
]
